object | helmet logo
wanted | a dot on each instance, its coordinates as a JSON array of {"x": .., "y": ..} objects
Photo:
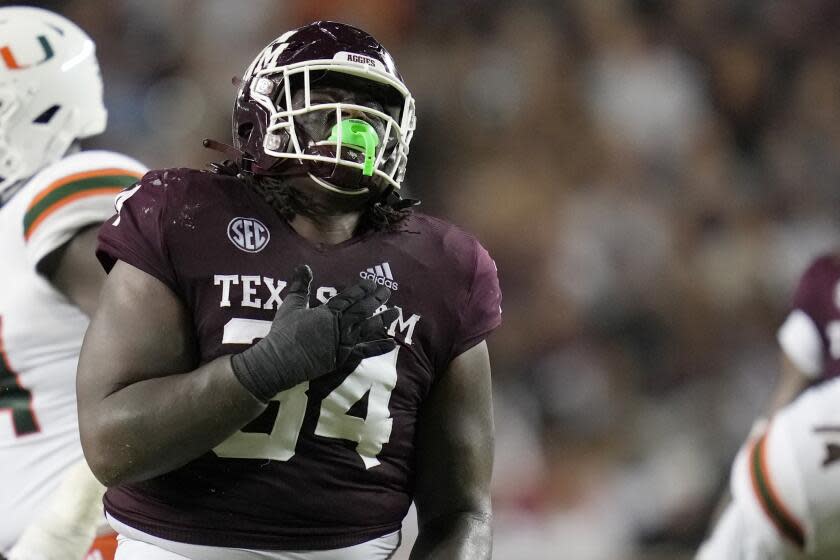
[
  {"x": 345, "y": 56},
  {"x": 248, "y": 234},
  {"x": 12, "y": 63}
]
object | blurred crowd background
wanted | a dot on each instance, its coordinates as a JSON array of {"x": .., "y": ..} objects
[{"x": 651, "y": 177}]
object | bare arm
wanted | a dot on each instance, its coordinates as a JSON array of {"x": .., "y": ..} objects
[
  {"x": 144, "y": 407},
  {"x": 74, "y": 271},
  {"x": 455, "y": 463}
]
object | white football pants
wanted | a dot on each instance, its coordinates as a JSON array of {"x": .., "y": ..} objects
[{"x": 154, "y": 548}]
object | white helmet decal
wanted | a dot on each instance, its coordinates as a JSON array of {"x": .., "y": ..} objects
[{"x": 12, "y": 63}]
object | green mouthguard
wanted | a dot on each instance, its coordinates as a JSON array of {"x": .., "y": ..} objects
[{"x": 358, "y": 134}]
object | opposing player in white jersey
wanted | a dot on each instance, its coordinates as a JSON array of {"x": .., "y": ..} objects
[
  {"x": 785, "y": 482},
  {"x": 52, "y": 198}
]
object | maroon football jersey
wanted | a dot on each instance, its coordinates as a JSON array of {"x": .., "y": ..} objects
[
  {"x": 330, "y": 463},
  {"x": 810, "y": 336}
]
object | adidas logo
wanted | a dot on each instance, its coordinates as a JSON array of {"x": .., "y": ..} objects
[{"x": 380, "y": 274}]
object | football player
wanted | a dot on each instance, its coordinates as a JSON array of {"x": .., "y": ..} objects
[
  {"x": 286, "y": 354},
  {"x": 785, "y": 481},
  {"x": 52, "y": 198}
]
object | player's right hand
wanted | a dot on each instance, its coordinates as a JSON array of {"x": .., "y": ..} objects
[{"x": 305, "y": 343}]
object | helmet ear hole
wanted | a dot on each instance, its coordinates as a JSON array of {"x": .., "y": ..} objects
[
  {"x": 47, "y": 115},
  {"x": 244, "y": 130}
]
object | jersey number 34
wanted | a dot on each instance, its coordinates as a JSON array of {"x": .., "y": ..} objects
[{"x": 376, "y": 375}]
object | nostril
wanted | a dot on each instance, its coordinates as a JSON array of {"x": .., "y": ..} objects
[
  {"x": 347, "y": 113},
  {"x": 244, "y": 130}
]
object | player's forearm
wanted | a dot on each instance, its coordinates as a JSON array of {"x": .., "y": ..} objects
[
  {"x": 460, "y": 536},
  {"x": 66, "y": 527},
  {"x": 153, "y": 426}
]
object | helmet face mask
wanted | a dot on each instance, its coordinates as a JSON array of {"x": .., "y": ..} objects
[
  {"x": 282, "y": 117},
  {"x": 50, "y": 90}
]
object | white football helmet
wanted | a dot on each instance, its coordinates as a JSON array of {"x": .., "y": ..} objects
[{"x": 50, "y": 90}]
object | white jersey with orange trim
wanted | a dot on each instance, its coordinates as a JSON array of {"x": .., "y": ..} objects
[
  {"x": 41, "y": 331},
  {"x": 786, "y": 486}
]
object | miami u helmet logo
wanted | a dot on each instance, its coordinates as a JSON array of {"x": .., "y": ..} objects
[{"x": 12, "y": 63}]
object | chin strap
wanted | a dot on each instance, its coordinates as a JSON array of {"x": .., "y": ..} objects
[
  {"x": 233, "y": 166},
  {"x": 226, "y": 149},
  {"x": 393, "y": 199}
]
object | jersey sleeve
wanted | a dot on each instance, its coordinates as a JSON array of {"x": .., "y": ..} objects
[
  {"x": 799, "y": 336},
  {"x": 77, "y": 192},
  {"x": 136, "y": 235},
  {"x": 482, "y": 312}
]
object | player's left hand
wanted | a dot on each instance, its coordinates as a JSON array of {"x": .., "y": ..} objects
[{"x": 362, "y": 334}]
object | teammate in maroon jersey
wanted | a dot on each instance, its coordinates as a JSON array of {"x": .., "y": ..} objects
[{"x": 240, "y": 405}]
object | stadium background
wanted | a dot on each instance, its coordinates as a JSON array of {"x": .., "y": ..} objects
[{"x": 650, "y": 176}]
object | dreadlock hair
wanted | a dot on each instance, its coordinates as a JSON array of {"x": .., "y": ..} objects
[{"x": 385, "y": 214}]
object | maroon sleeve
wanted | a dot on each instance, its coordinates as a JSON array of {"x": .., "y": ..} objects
[
  {"x": 482, "y": 312},
  {"x": 136, "y": 235}
]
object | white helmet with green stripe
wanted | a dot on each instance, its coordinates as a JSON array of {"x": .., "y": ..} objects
[{"x": 50, "y": 90}]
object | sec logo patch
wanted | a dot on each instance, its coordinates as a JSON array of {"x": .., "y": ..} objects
[{"x": 248, "y": 234}]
